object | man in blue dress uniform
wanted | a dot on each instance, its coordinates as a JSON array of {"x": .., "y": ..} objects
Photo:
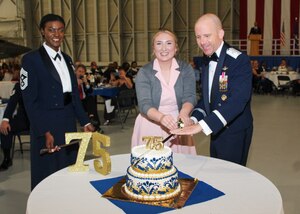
[
  {"x": 12, "y": 124},
  {"x": 224, "y": 110},
  {"x": 51, "y": 98}
]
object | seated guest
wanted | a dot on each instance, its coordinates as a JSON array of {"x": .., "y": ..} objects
[
  {"x": 296, "y": 87},
  {"x": 95, "y": 69},
  {"x": 107, "y": 73},
  {"x": 8, "y": 74},
  {"x": 133, "y": 70},
  {"x": 15, "y": 73},
  {"x": 124, "y": 83},
  {"x": 90, "y": 77},
  {"x": 116, "y": 65},
  {"x": 283, "y": 66},
  {"x": 264, "y": 67},
  {"x": 125, "y": 66},
  {"x": 259, "y": 82},
  {"x": 1, "y": 73},
  {"x": 12, "y": 124},
  {"x": 256, "y": 74},
  {"x": 89, "y": 101},
  {"x": 97, "y": 73}
]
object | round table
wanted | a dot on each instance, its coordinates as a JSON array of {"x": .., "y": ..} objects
[
  {"x": 274, "y": 75},
  {"x": 246, "y": 191},
  {"x": 106, "y": 91},
  {"x": 6, "y": 88}
]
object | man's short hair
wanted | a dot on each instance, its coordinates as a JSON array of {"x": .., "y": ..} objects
[{"x": 50, "y": 18}]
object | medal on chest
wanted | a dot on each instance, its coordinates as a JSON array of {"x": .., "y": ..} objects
[{"x": 223, "y": 80}]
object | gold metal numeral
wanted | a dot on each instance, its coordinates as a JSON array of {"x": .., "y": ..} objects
[
  {"x": 153, "y": 142},
  {"x": 85, "y": 137},
  {"x": 102, "y": 166}
]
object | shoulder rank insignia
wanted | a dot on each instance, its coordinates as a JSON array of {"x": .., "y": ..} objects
[{"x": 233, "y": 52}]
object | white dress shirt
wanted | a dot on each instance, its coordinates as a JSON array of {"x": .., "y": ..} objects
[
  {"x": 61, "y": 67},
  {"x": 212, "y": 69}
]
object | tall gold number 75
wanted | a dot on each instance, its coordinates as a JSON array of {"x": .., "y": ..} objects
[{"x": 102, "y": 166}]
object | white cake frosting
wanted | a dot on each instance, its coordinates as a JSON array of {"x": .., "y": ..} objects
[
  {"x": 151, "y": 161},
  {"x": 151, "y": 175}
]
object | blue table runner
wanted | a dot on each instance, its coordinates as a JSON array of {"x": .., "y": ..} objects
[{"x": 202, "y": 192}]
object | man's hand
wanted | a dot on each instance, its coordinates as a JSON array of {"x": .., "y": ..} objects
[
  {"x": 187, "y": 130},
  {"x": 5, "y": 127}
]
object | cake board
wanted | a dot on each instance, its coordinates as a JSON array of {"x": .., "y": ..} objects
[{"x": 116, "y": 192}]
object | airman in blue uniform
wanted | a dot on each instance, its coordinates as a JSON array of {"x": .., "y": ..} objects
[
  {"x": 51, "y": 98},
  {"x": 224, "y": 110}
]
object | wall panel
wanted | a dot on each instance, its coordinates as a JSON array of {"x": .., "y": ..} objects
[{"x": 122, "y": 30}]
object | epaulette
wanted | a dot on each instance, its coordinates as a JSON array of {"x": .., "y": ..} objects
[{"x": 233, "y": 52}]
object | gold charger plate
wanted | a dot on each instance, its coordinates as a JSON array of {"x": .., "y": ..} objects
[{"x": 187, "y": 186}]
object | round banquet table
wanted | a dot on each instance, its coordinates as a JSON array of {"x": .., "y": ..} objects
[
  {"x": 109, "y": 91},
  {"x": 274, "y": 75},
  {"x": 5, "y": 88},
  {"x": 246, "y": 191}
]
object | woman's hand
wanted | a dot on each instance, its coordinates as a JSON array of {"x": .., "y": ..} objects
[
  {"x": 184, "y": 114},
  {"x": 89, "y": 128},
  {"x": 184, "y": 118},
  {"x": 168, "y": 121},
  {"x": 50, "y": 143}
]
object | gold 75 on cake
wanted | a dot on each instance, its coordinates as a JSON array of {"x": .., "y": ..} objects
[{"x": 153, "y": 142}]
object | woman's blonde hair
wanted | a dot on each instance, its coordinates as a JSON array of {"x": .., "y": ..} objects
[{"x": 168, "y": 32}]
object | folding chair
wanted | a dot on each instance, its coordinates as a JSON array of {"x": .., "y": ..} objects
[
  {"x": 19, "y": 137},
  {"x": 126, "y": 102},
  {"x": 284, "y": 84}
]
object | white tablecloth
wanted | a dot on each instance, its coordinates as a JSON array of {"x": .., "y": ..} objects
[
  {"x": 6, "y": 88},
  {"x": 273, "y": 76},
  {"x": 245, "y": 190}
]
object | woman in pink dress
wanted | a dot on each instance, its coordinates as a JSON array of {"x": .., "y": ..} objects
[{"x": 166, "y": 92}]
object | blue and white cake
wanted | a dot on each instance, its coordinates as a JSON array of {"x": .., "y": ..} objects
[{"x": 151, "y": 176}]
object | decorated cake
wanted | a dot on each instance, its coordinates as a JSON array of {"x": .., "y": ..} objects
[{"x": 152, "y": 175}]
